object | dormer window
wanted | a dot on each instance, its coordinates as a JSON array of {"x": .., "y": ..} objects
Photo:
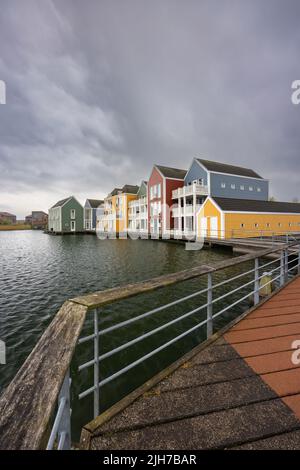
[
  {"x": 242, "y": 187},
  {"x": 223, "y": 185},
  {"x": 250, "y": 188},
  {"x": 232, "y": 186}
]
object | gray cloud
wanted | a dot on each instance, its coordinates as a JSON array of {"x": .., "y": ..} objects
[{"x": 98, "y": 91}]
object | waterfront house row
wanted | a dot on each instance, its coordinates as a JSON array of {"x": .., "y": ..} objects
[{"x": 178, "y": 202}]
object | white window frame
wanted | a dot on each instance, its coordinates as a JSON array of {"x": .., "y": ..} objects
[
  {"x": 223, "y": 185},
  {"x": 73, "y": 214}
]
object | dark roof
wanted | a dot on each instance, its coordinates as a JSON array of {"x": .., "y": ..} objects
[
  {"x": 115, "y": 192},
  {"x": 7, "y": 214},
  {"x": 246, "y": 205},
  {"x": 129, "y": 188},
  {"x": 171, "y": 172},
  {"x": 94, "y": 203},
  {"x": 61, "y": 202},
  {"x": 229, "y": 169}
]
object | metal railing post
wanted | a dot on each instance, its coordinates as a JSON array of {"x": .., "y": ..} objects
[
  {"x": 209, "y": 325},
  {"x": 286, "y": 265},
  {"x": 256, "y": 281},
  {"x": 64, "y": 428},
  {"x": 61, "y": 430},
  {"x": 96, "y": 364},
  {"x": 282, "y": 269}
]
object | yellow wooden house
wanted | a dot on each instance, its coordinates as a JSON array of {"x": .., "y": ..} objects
[
  {"x": 115, "y": 217},
  {"x": 241, "y": 218}
]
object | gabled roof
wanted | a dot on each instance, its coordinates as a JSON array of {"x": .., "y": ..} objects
[
  {"x": 62, "y": 202},
  {"x": 130, "y": 189},
  {"x": 228, "y": 169},
  {"x": 169, "y": 172},
  {"x": 247, "y": 205},
  {"x": 94, "y": 203},
  {"x": 115, "y": 192},
  {"x": 7, "y": 214}
]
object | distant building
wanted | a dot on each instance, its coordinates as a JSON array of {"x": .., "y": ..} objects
[
  {"x": 92, "y": 207},
  {"x": 66, "y": 216},
  {"x": 37, "y": 219},
  {"x": 7, "y": 218}
]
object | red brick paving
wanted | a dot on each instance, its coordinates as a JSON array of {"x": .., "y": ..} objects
[{"x": 264, "y": 339}]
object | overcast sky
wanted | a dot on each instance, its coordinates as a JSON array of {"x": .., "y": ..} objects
[{"x": 100, "y": 90}]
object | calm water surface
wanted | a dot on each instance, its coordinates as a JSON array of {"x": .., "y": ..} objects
[{"x": 39, "y": 272}]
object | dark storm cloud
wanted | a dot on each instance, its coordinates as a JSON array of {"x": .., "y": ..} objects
[{"x": 98, "y": 91}]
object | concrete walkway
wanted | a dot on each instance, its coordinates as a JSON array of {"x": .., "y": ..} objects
[{"x": 241, "y": 392}]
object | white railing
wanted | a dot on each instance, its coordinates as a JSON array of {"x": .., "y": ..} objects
[{"x": 194, "y": 189}]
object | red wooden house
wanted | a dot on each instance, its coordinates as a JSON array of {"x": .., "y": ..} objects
[{"x": 163, "y": 180}]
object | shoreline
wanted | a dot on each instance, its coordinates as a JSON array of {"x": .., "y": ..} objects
[{"x": 10, "y": 228}]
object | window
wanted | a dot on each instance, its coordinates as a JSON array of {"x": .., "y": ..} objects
[
  {"x": 279, "y": 224},
  {"x": 267, "y": 225},
  {"x": 290, "y": 224},
  {"x": 201, "y": 181},
  {"x": 242, "y": 187},
  {"x": 73, "y": 213},
  {"x": 159, "y": 190},
  {"x": 223, "y": 185},
  {"x": 232, "y": 186},
  {"x": 151, "y": 192},
  {"x": 250, "y": 188},
  {"x": 259, "y": 190},
  {"x": 242, "y": 225},
  {"x": 256, "y": 225}
]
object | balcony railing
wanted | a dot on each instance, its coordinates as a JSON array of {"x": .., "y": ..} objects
[
  {"x": 194, "y": 189},
  {"x": 189, "y": 210}
]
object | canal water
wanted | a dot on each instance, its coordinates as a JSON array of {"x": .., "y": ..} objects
[{"x": 39, "y": 272}]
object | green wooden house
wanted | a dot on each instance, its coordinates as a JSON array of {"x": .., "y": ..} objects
[{"x": 66, "y": 216}]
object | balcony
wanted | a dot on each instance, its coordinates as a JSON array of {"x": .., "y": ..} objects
[
  {"x": 191, "y": 190},
  {"x": 188, "y": 212}
]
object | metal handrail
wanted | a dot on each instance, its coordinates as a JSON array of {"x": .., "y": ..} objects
[{"x": 209, "y": 304}]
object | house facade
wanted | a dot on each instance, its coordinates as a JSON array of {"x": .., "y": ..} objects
[
  {"x": 7, "y": 218},
  {"x": 66, "y": 216},
  {"x": 242, "y": 218},
  {"x": 91, "y": 207},
  {"x": 115, "y": 218},
  {"x": 207, "y": 178},
  {"x": 37, "y": 219},
  {"x": 162, "y": 182},
  {"x": 138, "y": 211}
]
